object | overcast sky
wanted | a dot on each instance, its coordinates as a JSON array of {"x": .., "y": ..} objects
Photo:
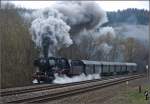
[{"x": 106, "y": 5}]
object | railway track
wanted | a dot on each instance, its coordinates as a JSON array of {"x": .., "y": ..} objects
[
  {"x": 77, "y": 88},
  {"x": 39, "y": 88},
  {"x": 34, "y": 88}
]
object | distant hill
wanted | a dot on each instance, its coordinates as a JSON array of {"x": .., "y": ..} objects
[
  {"x": 131, "y": 16},
  {"x": 128, "y": 16}
]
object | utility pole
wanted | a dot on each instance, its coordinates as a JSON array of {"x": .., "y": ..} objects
[{"x": 147, "y": 71}]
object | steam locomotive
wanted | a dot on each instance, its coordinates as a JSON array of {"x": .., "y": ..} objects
[{"x": 47, "y": 67}]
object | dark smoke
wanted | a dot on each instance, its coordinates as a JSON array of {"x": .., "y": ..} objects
[
  {"x": 81, "y": 15},
  {"x": 66, "y": 22}
]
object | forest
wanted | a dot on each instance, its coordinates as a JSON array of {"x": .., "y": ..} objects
[{"x": 131, "y": 15}]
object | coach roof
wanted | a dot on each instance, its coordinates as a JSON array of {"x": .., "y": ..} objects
[{"x": 87, "y": 62}]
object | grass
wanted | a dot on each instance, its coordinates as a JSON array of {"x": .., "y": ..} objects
[
  {"x": 134, "y": 97},
  {"x": 131, "y": 96}
]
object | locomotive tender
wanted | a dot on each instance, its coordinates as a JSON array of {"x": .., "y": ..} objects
[{"x": 48, "y": 67}]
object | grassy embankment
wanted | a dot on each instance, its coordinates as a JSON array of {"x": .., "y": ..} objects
[{"x": 132, "y": 96}]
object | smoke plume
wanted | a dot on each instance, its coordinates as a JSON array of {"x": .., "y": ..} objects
[
  {"x": 81, "y": 15},
  {"x": 140, "y": 32},
  {"x": 63, "y": 24},
  {"x": 50, "y": 31}
]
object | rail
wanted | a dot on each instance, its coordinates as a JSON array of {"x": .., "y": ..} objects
[
  {"x": 76, "y": 89},
  {"x": 27, "y": 89}
]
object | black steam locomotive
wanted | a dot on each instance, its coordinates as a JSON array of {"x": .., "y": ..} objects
[{"x": 47, "y": 67}]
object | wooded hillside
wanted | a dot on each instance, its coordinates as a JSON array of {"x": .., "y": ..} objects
[
  {"x": 132, "y": 16},
  {"x": 17, "y": 50}
]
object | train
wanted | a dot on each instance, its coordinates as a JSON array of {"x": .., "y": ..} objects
[{"x": 47, "y": 67}]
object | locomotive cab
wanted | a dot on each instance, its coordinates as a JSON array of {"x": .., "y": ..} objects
[{"x": 62, "y": 67}]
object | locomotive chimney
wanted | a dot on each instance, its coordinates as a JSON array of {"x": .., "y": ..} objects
[{"x": 46, "y": 43}]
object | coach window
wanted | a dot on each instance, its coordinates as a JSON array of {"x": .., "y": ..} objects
[
  {"x": 97, "y": 69},
  {"x": 118, "y": 68},
  {"x": 115, "y": 70},
  {"x": 111, "y": 68},
  {"x": 127, "y": 68},
  {"x": 89, "y": 69},
  {"x": 102, "y": 68},
  {"x": 124, "y": 68},
  {"x": 132, "y": 68},
  {"x": 106, "y": 68},
  {"x": 94, "y": 68}
]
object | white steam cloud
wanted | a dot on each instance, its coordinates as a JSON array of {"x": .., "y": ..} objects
[
  {"x": 109, "y": 31},
  {"x": 107, "y": 34},
  {"x": 106, "y": 48},
  {"x": 49, "y": 24},
  {"x": 140, "y": 32},
  {"x": 82, "y": 77},
  {"x": 60, "y": 25}
]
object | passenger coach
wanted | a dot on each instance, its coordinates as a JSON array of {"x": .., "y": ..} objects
[{"x": 103, "y": 68}]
